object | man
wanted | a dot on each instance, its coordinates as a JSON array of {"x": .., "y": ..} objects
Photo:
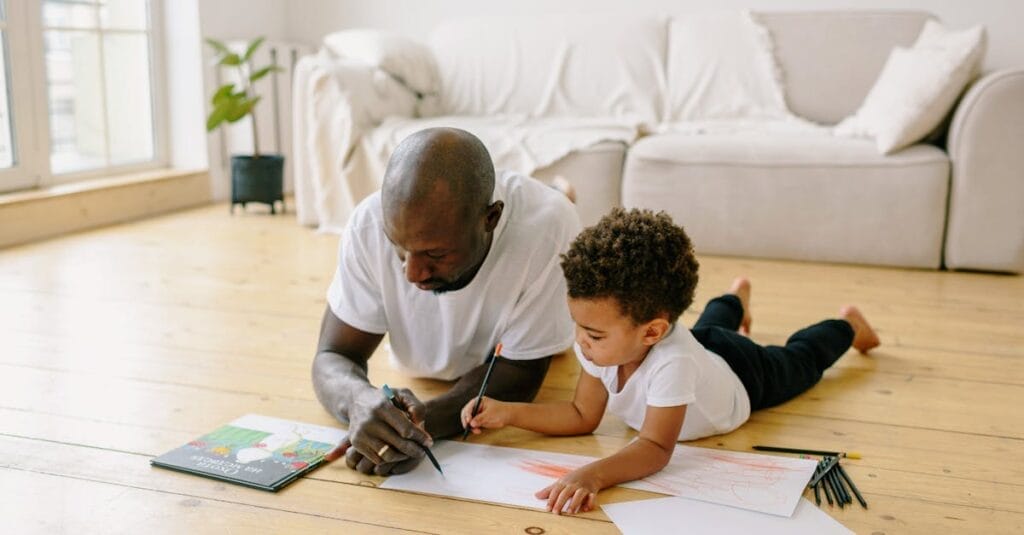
[{"x": 448, "y": 259}]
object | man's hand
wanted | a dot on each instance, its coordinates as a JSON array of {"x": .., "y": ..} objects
[
  {"x": 492, "y": 414},
  {"x": 386, "y": 439}
]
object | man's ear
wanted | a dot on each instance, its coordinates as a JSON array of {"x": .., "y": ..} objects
[
  {"x": 655, "y": 330},
  {"x": 493, "y": 215}
]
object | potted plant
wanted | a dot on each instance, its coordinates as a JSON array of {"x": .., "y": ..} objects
[{"x": 255, "y": 177}]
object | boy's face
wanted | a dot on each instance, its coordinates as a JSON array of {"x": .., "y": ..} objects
[{"x": 610, "y": 338}]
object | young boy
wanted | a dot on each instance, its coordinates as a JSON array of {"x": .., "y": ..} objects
[{"x": 629, "y": 278}]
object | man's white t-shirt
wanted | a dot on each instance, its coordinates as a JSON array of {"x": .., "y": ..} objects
[
  {"x": 518, "y": 297},
  {"x": 677, "y": 371}
]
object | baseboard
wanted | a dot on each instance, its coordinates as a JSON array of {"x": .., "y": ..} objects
[{"x": 47, "y": 212}]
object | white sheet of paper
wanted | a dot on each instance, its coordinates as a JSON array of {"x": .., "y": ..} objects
[
  {"x": 677, "y": 515},
  {"x": 488, "y": 473},
  {"x": 763, "y": 483}
]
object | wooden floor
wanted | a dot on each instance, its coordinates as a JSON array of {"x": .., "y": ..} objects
[{"x": 120, "y": 344}]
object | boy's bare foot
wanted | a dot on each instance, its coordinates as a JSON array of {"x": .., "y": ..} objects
[
  {"x": 741, "y": 288},
  {"x": 864, "y": 337}
]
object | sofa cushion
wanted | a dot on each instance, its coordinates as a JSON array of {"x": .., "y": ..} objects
[
  {"x": 720, "y": 66},
  {"x": 830, "y": 59},
  {"x": 917, "y": 87},
  {"x": 570, "y": 65},
  {"x": 823, "y": 198}
]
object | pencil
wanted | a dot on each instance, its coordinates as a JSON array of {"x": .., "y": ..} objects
[
  {"x": 817, "y": 495},
  {"x": 390, "y": 395},
  {"x": 777, "y": 449},
  {"x": 853, "y": 487},
  {"x": 483, "y": 388}
]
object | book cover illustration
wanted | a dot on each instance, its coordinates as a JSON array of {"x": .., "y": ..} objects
[{"x": 257, "y": 451}]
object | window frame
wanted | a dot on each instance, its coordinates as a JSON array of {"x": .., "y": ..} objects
[{"x": 29, "y": 92}]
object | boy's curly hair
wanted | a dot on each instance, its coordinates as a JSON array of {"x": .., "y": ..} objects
[{"x": 642, "y": 259}]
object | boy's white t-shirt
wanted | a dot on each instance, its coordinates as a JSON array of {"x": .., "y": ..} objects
[
  {"x": 677, "y": 371},
  {"x": 518, "y": 297}
]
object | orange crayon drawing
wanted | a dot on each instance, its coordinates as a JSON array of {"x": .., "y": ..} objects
[{"x": 546, "y": 469}]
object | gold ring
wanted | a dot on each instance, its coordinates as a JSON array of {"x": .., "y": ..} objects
[{"x": 382, "y": 450}]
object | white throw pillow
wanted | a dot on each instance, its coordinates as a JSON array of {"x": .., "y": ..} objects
[
  {"x": 410, "y": 62},
  {"x": 721, "y": 65},
  {"x": 917, "y": 87}
]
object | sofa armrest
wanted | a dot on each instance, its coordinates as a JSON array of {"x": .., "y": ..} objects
[
  {"x": 335, "y": 102},
  {"x": 985, "y": 222}
]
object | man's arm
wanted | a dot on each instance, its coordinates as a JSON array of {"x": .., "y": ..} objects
[
  {"x": 342, "y": 386},
  {"x": 511, "y": 380},
  {"x": 340, "y": 365}
]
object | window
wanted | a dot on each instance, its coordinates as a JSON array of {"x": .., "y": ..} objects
[
  {"x": 6, "y": 122},
  {"x": 85, "y": 87}
]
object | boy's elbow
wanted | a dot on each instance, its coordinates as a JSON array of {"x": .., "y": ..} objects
[
  {"x": 589, "y": 426},
  {"x": 661, "y": 454}
]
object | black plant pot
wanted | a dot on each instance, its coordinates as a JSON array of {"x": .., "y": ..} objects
[{"x": 257, "y": 180}]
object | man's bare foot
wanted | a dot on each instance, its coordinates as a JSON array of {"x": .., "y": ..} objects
[
  {"x": 563, "y": 185},
  {"x": 864, "y": 337},
  {"x": 741, "y": 288}
]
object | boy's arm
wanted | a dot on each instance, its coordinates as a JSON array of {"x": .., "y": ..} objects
[
  {"x": 579, "y": 416},
  {"x": 650, "y": 452}
]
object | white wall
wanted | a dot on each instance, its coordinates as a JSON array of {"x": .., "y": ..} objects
[
  {"x": 309, "y": 20},
  {"x": 228, "y": 20}
]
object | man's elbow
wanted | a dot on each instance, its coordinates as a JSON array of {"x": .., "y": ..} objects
[{"x": 527, "y": 376}]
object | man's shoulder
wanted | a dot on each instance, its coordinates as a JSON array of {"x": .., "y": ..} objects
[
  {"x": 537, "y": 209},
  {"x": 366, "y": 218}
]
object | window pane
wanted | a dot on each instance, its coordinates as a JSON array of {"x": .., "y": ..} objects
[
  {"x": 6, "y": 139},
  {"x": 129, "y": 113},
  {"x": 77, "y": 137},
  {"x": 123, "y": 14},
  {"x": 69, "y": 14}
]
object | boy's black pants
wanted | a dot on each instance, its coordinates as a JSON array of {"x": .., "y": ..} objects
[{"x": 771, "y": 374}]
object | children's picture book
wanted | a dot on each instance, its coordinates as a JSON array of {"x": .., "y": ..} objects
[{"x": 256, "y": 451}]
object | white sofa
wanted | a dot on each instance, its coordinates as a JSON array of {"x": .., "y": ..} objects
[{"x": 589, "y": 98}]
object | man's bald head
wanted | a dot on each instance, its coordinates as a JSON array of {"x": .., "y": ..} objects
[
  {"x": 441, "y": 167},
  {"x": 437, "y": 207}
]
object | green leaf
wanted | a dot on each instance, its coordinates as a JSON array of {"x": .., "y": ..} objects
[
  {"x": 218, "y": 115},
  {"x": 220, "y": 47},
  {"x": 241, "y": 109},
  {"x": 231, "y": 59},
  {"x": 252, "y": 48},
  {"x": 263, "y": 72},
  {"x": 225, "y": 91}
]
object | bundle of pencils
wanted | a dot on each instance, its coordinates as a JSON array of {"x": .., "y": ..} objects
[
  {"x": 832, "y": 479},
  {"x": 829, "y": 476}
]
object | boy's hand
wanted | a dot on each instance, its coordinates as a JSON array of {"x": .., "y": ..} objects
[
  {"x": 572, "y": 493},
  {"x": 492, "y": 414}
]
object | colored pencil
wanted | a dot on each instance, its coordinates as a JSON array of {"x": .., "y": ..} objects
[
  {"x": 837, "y": 488},
  {"x": 827, "y": 464},
  {"x": 863, "y": 503},
  {"x": 828, "y": 495},
  {"x": 777, "y": 449},
  {"x": 483, "y": 388},
  {"x": 817, "y": 495},
  {"x": 337, "y": 452}
]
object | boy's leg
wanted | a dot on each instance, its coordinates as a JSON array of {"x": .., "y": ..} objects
[
  {"x": 775, "y": 374},
  {"x": 729, "y": 311},
  {"x": 724, "y": 311}
]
